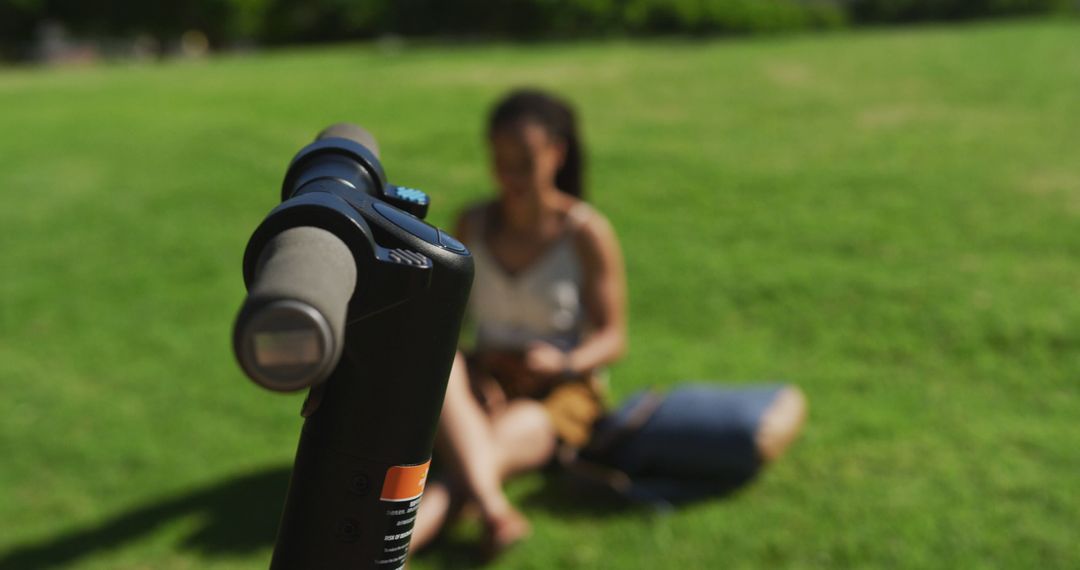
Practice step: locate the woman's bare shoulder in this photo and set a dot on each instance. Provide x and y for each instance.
(591, 223)
(595, 235)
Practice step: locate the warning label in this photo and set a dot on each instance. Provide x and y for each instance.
(401, 492)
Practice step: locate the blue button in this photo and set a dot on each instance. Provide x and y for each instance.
(411, 195)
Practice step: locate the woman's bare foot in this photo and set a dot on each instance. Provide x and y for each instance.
(781, 423)
(504, 529)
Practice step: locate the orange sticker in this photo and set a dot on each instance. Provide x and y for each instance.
(405, 482)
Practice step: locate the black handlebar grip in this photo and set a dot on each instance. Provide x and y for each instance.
(351, 132)
(291, 329)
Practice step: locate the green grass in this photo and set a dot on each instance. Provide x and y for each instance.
(891, 219)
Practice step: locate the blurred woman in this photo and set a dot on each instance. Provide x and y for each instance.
(549, 306)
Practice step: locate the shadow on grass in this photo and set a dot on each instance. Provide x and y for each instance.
(565, 497)
(240, 517)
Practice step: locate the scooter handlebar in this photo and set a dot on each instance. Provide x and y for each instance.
(291, 328)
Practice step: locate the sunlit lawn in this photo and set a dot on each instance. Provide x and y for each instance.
(891, 219)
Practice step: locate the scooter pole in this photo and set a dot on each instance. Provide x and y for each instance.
(353, 295)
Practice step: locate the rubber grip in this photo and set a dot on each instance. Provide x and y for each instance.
(303, 281)
(353, 133)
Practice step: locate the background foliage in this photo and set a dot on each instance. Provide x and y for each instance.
(277, 21)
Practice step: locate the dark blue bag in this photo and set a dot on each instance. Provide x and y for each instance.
(694, 442)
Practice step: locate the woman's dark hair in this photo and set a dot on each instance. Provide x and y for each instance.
(558, 118)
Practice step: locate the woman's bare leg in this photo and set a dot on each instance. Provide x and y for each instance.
(524, 439)
(781, 423)
(467, 440)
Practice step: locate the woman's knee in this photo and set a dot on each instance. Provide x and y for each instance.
(781, 423)
(457, 385)
(460, 367)
(525, 430)
(530, 420)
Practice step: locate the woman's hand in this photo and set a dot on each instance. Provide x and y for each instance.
(544, 360)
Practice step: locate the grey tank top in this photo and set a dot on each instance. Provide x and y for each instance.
(540, 302)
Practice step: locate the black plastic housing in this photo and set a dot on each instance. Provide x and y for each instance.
(380, 406)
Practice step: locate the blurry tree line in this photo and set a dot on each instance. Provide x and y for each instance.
(226, 22)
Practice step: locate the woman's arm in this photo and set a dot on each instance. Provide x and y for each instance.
(604, 296)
